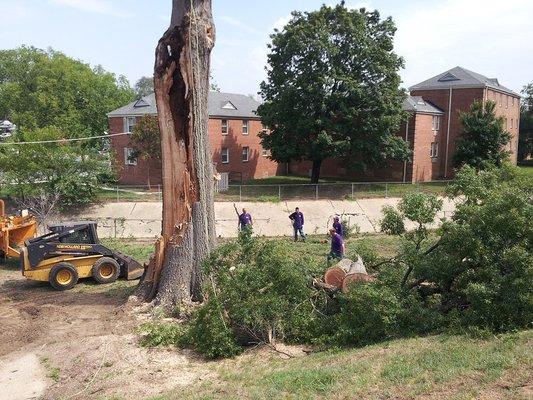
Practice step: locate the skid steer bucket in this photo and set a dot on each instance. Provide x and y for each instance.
(131, 269)
(14, 230)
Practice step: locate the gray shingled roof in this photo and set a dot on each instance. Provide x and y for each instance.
(461, 78)
(419, 105)
(220, 105)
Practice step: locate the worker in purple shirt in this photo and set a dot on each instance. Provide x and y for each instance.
(297, 219)
(337, 246)
(245, 220)
(337, 225)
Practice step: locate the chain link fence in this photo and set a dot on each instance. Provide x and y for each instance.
(282, 192)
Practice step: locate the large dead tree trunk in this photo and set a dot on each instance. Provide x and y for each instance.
(181, 82)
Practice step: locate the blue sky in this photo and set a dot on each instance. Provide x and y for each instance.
(489, 37)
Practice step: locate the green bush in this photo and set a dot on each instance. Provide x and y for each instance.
(368, 313)
(209, 333)
(156, 334)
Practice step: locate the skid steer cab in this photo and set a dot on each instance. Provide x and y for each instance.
(72, 251)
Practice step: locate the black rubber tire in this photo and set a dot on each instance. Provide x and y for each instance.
(99, 277)
(56, 270)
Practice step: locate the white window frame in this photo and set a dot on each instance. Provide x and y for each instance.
(434, 150)
(225, 127)
(128, 159)
(128, 126)
(435, 123)
(265, 153)
(224, 153)
(245, 127)
(245, 154)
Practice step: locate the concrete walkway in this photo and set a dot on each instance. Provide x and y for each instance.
(143, 220)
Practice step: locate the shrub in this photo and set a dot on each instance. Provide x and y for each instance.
(209, 332)
(349, 230)
(368, 313)
(161, 334)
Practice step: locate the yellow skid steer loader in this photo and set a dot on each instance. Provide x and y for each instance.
(73, 251)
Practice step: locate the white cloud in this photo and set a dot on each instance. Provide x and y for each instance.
(96, 6)
(281, 22)
(486, 36)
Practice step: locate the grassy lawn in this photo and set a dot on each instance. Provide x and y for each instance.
(438, 367)
(315, 245)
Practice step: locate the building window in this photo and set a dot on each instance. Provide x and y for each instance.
(245, 154)
(512, 101)
(130, 156)
(265, 153)
(434, 152)
(224, 126)
(225, 155)
(506, 101)
(129, 124)
(435, 124)
(501, 95)
(244, 127)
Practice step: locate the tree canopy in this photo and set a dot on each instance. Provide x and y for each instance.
(333, 90)
(44, 88)
(525, 143)
(483, 138)
(144, 86)
(64, 170)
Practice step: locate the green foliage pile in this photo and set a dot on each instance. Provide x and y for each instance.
(473, 274)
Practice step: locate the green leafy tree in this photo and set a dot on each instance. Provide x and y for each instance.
(44, 88)
(61, 170)
(483, 138)
(146, 140)
(144, 86)
(333, 90)
(525, 139)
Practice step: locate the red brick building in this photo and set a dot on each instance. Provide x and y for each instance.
(434, 126)
(431, 131)
(233, 131)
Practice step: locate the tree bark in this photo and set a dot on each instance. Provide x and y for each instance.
(181, 83)
(315, 171)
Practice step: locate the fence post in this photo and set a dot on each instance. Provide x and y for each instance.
(316, 192)
(279, 192)
(352, 191)
(159, 194)
(386, 190)
(240, 193)
(118, 199)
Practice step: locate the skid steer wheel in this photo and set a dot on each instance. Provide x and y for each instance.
(63, 276)
(106, 270)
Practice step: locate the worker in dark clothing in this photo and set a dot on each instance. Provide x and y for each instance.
(297, 219)
(337, 246)
(245, 220)
(337, 225)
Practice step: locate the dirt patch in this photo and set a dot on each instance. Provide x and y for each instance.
(84, 342)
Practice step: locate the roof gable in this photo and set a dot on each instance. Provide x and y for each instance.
(461, 78)
(222, 105)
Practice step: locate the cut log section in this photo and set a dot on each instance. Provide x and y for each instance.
(351, 279)
(335, 276)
